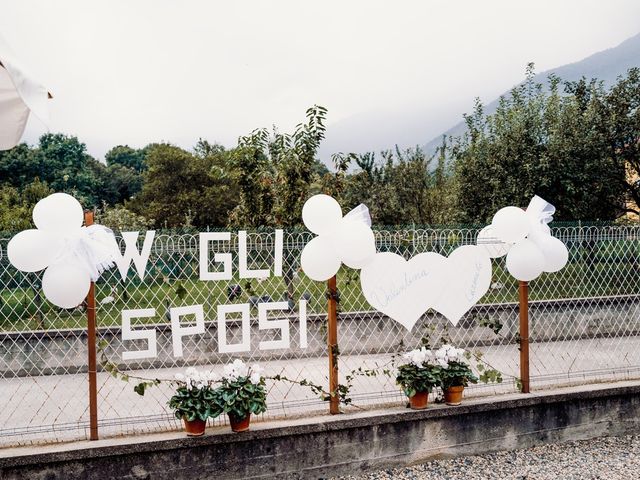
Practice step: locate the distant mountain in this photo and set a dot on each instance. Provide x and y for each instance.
(606, 66)
(378, 129)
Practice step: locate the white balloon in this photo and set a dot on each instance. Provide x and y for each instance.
(494, 247)
(59, 213)
(510, 224)
(319, 259)
(321, 214)
(525, 260)
(66, 284)
(363, 261)
(555, 252)
(33, 250)
(354, 242)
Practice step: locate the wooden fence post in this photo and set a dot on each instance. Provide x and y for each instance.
(332, 342)
(91, 348)
(523, 295)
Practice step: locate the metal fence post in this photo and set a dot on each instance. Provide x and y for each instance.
(91, 349)
(332, 341)
(523, 294)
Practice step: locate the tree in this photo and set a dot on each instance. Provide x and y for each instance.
(16, 206)
(66, 167)
(255, 181)
(185, 189)
(403, 188)
(335, 184)
(275, 177)
(62, 162)
(122, 219)
(622, 105)
(19, 166)
(275, 172)
(127, 157)
(550, 144)
(118, 184)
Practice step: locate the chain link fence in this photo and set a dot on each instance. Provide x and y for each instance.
(584, 327)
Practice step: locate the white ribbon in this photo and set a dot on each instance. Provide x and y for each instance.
(540, 213)
(360, 214)
(94, 247)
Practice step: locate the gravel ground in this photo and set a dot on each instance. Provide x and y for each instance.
(608, 458)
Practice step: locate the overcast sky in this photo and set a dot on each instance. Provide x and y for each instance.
(140, 71)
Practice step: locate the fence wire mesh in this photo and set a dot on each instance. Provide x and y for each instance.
(584, 327)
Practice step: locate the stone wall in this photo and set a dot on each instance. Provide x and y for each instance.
(322, 447)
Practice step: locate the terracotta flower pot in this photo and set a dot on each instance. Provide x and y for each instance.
(419, 400)
(194, 428)
(239, 424)
(453, 395)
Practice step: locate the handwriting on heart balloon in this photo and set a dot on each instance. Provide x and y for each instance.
(467, 277)
(405, 290)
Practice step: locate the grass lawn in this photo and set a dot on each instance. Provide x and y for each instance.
(21, 309)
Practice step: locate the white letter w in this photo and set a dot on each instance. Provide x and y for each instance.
(131, 252)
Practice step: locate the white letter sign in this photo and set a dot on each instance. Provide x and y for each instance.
(242, 260)
(131, 252)
(245, 344)
(148, 335)
(265, 324)
(224, 258)
(178, 331)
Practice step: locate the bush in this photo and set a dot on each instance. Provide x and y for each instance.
(421, 374)
(242, 391)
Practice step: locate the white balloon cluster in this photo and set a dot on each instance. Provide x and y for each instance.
(525, 237)
(347, 239)
(402, 289)
(72, 255)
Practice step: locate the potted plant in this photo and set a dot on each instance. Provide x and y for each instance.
(455, 373)
(241, 392)
(418, 376)
(193, 401)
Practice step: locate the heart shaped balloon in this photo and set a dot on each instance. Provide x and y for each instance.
(467, 277)
(403, 290)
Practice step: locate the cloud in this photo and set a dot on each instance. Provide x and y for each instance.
(144, 71)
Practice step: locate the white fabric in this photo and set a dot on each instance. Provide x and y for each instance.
(13, 113)
(19, 94)
(94, 247)
(540, 213)
(360, 214)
